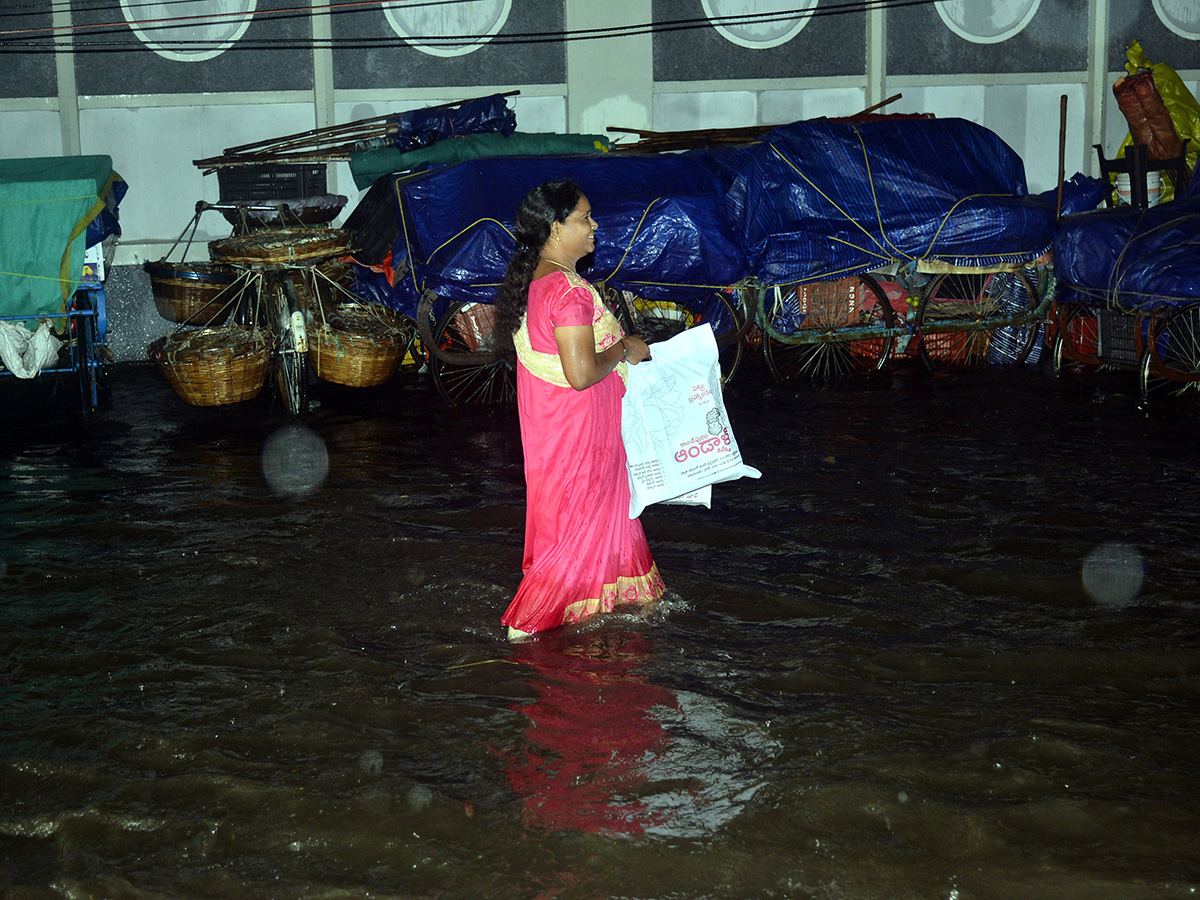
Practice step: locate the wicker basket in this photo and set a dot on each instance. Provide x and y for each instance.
(214, 366)
(196, 293)
(360, 345)
(281, 246)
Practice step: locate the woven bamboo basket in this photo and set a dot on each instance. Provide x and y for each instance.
(281, 246)
(360, 345)
(196, 293)
(214, 366)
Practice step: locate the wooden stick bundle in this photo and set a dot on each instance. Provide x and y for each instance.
(333, 143)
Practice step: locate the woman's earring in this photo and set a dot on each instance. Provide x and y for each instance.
(557, 240)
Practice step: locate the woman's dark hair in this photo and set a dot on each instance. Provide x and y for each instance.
(542, 207)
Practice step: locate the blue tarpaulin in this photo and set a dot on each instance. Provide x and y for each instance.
(421, 127)
(820, 199)
(663, 232)
(1139, 259)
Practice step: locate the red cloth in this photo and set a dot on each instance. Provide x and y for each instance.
(583, 554)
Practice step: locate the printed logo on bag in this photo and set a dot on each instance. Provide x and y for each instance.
(720, 443)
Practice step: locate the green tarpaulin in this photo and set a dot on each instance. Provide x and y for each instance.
(46, 204)
(369, 165)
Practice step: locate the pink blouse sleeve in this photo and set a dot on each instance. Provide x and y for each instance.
(573, 306)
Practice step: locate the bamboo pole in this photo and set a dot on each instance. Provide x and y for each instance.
(1062, 153)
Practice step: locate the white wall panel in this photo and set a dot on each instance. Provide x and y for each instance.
(705, 109)
(154, 147)
(27, 134)
(540, 115)
(1040, 150)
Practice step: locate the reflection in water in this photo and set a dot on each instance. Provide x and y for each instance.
(593, 732)
(946, 646)
(608, 751)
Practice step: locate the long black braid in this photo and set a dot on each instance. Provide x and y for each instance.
(542, 207)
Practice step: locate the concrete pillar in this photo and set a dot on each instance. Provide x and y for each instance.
(876, 91)
(610, 80)
(1097, 81)
(64, 70)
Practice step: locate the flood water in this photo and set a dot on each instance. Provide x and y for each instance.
(947, 647)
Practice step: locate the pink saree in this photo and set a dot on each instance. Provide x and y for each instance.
(583, 554)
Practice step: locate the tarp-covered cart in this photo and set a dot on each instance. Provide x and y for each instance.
(664, 249)
(1130, 291)
(52, 318)
(908, 235)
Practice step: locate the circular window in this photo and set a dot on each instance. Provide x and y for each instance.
(189, 30)
(448, 29)
(758, 24)
(1181, 16)
(986, 21)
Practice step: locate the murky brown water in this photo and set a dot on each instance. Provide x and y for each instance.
(877, 673)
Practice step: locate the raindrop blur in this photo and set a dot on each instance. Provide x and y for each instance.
(371, 762)
(1113, 573)
(419, 797)
(294, 460)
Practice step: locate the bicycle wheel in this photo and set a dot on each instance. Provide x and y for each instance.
(291, 349)
(1076, 338)
(85, 353)
(658, 320)
(825, 322)
(467, 328)
(955, 313)
(1170, 363)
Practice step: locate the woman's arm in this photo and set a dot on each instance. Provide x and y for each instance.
(583, 366)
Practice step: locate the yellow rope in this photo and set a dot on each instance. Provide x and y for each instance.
(878, 241)
(946, 219)
(50, 200)
(883, 238)
(451, 239)
(699, 287)
(412, 270)
(641, 222)
(36, 277)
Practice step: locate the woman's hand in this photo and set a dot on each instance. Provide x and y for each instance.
(583, 366)
(636, 349)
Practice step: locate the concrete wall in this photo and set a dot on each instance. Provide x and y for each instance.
(1001, 63)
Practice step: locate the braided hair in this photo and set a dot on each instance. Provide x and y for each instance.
(542, 207)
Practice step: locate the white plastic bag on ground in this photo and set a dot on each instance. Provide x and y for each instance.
(677, 436)
(26, 353)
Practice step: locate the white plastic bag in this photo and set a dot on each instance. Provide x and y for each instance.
(677, 436)
(25, 353)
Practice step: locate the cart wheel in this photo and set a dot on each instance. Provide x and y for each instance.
(658, 320)
(815, 315)
(1170, 363)
(291, 378)
(416, 358)
(468, 328)
(85, 354)
(291, 351)
(727, 316)
(1076, 339)
(953, 315)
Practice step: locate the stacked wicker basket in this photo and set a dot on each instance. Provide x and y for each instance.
(359, 344)
(206, 361)
(214, 366)
(210, 360)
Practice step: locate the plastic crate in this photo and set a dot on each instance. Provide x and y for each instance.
(272, 182)
(1115, 339)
